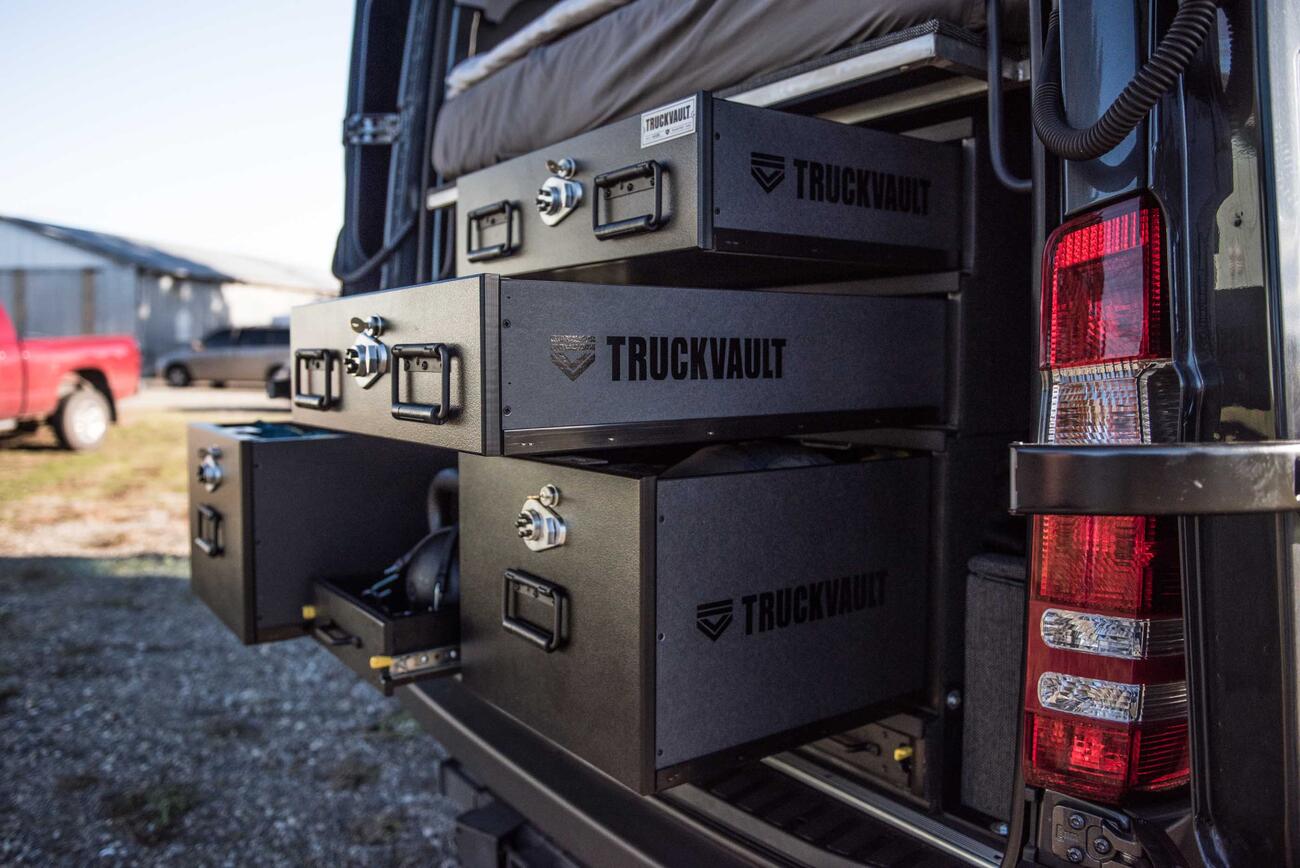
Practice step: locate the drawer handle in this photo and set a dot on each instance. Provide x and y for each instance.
(207, 531)
(431, 414)
(474, 230)
(544, 592)
(311, 400)
(333, 636)
(630, 225)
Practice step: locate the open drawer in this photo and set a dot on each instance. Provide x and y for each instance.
(388, 642)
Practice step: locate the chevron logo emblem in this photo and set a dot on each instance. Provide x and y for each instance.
(768, 170)
(713, 618)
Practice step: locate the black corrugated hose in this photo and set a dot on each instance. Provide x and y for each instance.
(1187, 31)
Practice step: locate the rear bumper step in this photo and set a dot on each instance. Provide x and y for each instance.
(785, 810)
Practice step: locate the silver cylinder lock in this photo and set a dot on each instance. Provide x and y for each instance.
(209, 472)
(538, 524)
(367, 358)
(559, 194)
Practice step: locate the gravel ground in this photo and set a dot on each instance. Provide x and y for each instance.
(134, 730)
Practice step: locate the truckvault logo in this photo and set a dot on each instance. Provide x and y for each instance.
(796, 604)
(713, 618)
(860, 187)
(573, 354)
(663, 357)
(768, 170)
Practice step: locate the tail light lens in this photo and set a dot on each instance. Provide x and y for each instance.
(1105, 690)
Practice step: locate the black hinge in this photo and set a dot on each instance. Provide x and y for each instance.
(372, 129)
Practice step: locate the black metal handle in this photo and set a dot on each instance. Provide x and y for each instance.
(334, 636)
(630, 225)
(491, 251)
(407, 411)
(542, 591)
(310, 400)
(207, 531)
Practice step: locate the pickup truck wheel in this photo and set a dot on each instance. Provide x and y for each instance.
(82, 419)
(177, 375)
(277, 382)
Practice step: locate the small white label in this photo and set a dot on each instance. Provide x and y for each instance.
(670, 122)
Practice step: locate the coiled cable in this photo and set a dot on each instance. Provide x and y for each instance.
(1171, 58)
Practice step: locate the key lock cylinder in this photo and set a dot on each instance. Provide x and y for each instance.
(538, 524)
(367, 358)
(209, 472)
(559, 194)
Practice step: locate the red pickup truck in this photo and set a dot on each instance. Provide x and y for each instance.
(73, 383)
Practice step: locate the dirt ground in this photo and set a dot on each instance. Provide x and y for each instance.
(134, 729)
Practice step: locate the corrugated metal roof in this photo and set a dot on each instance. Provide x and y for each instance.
(184, 262)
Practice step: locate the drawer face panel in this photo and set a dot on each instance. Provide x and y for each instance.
(747, 196)
(702, 615)
(452, 313)
(587, 696)
(823, 573)
(662, 355)
(547, 366)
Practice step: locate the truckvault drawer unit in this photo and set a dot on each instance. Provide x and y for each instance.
(707, 191)
(658, 627)
(494, 365)
(275, 507)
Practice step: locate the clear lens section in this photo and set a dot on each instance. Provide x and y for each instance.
(1111, 636)
(1095, 634)
(1096, 411)
(1090, 697)
(1120, 403)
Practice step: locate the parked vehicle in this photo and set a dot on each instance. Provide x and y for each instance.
(227, 355)
(991, 564)
(73, 384)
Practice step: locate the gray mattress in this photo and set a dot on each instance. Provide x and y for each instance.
(651, 52)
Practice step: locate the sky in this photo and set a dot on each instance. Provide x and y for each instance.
(212, 124)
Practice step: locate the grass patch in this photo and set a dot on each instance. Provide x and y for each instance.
(380, 828)
(353, 774)
(230, 727)
(398, 726)
(152, 814)
(147, 453)
(75, 783)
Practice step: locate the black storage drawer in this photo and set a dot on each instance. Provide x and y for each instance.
(274, 507)
(387, 645)
(490, 365)
(706, 191)
(659, 625)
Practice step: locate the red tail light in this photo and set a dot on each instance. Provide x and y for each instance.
(1104, 301)
(1105, 690)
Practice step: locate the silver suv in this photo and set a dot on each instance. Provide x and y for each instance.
(260, 354)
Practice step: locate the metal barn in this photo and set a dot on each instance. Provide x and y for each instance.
(56, 280)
